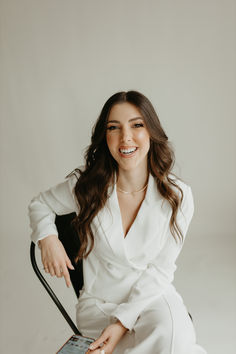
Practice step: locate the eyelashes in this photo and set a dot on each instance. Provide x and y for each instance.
(114, 127)
(138, 125)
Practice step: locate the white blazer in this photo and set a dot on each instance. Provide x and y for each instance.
(124, 275)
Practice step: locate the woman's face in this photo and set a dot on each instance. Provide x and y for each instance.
(127, 136)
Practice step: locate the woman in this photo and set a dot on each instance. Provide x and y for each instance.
(132, 216)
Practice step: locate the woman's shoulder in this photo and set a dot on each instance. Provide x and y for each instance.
(185, 187)
(187, 205)
(187, 200)
(76, 172)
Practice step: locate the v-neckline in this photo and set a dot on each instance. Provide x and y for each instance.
(124, 237)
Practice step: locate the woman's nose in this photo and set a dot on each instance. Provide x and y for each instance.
(126, 135)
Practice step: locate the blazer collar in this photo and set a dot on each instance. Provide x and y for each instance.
(142, 230)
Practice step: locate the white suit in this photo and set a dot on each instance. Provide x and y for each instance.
(128, 278)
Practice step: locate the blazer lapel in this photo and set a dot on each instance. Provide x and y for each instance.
(146, 230)
(109, 221)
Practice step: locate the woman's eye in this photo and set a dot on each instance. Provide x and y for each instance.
(112, 127)
(138, 125)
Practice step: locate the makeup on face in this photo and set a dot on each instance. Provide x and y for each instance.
(127, 137)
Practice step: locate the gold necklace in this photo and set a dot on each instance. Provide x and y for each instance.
(140, 190)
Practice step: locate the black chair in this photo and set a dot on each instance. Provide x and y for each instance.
(71, 244)
(70, 241)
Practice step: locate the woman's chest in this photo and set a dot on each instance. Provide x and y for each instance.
(129, 206)
(144, 239)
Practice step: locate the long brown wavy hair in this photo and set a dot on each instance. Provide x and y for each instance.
(91, 189)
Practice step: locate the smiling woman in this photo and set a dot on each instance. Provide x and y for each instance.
(132, 216)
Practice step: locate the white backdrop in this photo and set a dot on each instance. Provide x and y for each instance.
(60, 61)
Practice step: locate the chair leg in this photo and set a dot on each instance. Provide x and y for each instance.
(50, 291)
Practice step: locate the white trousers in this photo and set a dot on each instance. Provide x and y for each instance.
(163, 328)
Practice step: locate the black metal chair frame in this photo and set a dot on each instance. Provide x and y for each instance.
(70, 242)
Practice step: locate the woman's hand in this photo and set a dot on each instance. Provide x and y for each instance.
(54, 258)
(108, 340)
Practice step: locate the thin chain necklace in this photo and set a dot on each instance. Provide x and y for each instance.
(140, 190)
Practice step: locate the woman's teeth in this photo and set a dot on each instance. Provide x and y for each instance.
(127, 151)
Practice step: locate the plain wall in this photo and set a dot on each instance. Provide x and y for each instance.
(60, 61)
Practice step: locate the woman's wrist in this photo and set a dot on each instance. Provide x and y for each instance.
(121, 326)
(47, 238)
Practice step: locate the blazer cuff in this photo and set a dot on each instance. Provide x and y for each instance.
(49, 230)
(126, 315)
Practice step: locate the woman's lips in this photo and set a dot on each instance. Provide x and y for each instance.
(127, 152)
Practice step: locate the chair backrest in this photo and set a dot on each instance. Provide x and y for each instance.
(70, 241)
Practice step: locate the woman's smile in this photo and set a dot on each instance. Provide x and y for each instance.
(127, 151)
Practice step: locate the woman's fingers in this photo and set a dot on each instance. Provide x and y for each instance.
(66, 275)
(60, 271)
(55, 259)
(99, 351)
(108, 339)
(46, 268)
(69, 264)
(102, 349)
(98, 342)
(51, 270)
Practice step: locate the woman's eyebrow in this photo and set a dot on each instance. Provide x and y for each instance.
(130, 120)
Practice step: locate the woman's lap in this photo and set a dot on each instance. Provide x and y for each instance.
(163, 328)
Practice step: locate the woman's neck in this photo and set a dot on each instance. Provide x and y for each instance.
(132, 180)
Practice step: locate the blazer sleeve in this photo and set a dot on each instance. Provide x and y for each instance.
(43, 208)
(159, 273)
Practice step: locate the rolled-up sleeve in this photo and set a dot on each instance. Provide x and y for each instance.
(159, 273)
(43, 208)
